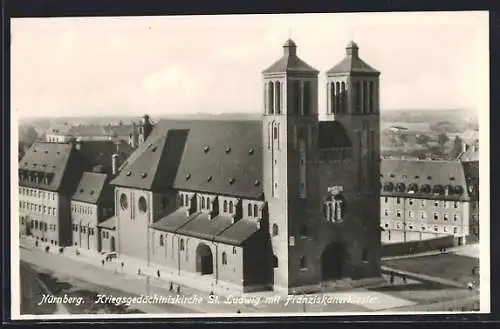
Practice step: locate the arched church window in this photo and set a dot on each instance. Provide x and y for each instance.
(143, 206)
(307, 98)
(181, 245)
(296, 97)
(231, 206)
(275, 132)
(371, 96)
(249, 209)
(275, 229)
(224, 258)
(277, 109)
(337, 97)
(331, 91)
(225, 205)
(255, 210)
(357, 96)
(365, 97)
(123, 201)
(343, 98)
(161, 240)
(270, 95)
(202, 202)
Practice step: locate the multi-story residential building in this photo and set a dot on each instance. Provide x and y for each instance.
(286, 202)
(422, 199)
(91, 204)
(49, 174)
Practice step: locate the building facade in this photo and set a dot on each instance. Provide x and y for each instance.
(423, 199)
(276, 203)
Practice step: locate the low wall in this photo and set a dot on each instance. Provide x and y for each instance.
(413, 247)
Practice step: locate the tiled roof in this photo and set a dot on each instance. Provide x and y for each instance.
(290, 62)
(219, 228)
(47, 158)
(155, 164)
(332, 134)
(352, 63)
(109, 223)
(425, 174)
(239, 232)
(173, 221)
(203, 227)
(90, 188)
(87, 130)
(216, 156)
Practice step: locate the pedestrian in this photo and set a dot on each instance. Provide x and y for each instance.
(238, 311)
(139, 271)
(178, 289)
(102, 261)
(158, 273)
(122, 265)
(211, 292)
(171, 286)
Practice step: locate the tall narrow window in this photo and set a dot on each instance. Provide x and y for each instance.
(371, 97)
(296, 96)
(161, 240)
(250, 209)
(357, 96)
(277, 86)
(255, 210)
(337, 97)
(343, 98)
(307, 98)
(181, 246)
(365, 97)
(332, 98)
(231, 207)
(202, 202)
(224, 258)
(225, 205)
(270, 95)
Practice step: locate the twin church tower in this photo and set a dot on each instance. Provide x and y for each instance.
(322, 177)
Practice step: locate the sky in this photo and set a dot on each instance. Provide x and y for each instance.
(213, 64)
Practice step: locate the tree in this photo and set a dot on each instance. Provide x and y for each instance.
(423, 139)
(442, 139)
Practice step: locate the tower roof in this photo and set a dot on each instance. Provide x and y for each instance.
(290, 62)
(352, 63)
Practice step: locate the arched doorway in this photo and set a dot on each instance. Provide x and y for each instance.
(204, 259)
(332, 261)
(112, 245)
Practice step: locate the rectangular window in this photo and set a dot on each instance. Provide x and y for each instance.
(411, 213)
(410, 201)
(445, 217)
(398, 200)
(386, 199)
(455, 218)
(398, 213)
(386, 212)
(455, 230)
(436, 203)
(436, 216)
(445, 203)
(455, 204)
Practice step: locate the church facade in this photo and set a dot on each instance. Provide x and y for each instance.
(287, 202)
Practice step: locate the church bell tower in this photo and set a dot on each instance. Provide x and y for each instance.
(290, 129)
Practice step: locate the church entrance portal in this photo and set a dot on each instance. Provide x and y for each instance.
(204, 259)
(332, 262)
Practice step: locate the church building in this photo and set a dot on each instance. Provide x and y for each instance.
(286, 202)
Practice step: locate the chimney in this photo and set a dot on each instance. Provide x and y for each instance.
(114, 164)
